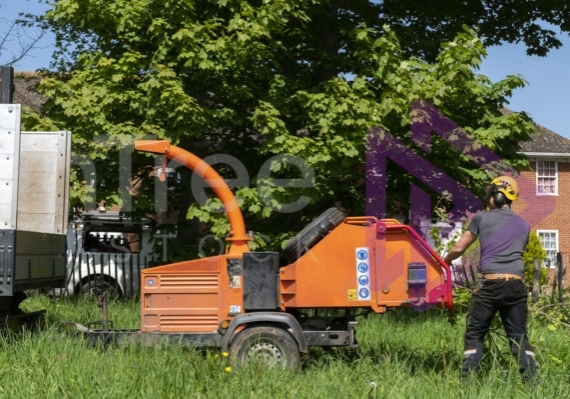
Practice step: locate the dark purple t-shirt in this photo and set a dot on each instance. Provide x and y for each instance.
(503, 236)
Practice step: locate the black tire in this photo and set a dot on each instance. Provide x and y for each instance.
(312, 234)
(99, 286)
(271, 346)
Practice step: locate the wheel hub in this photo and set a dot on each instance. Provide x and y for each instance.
(266, 353)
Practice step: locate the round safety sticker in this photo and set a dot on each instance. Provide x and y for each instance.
(362, 254)
(363, 267)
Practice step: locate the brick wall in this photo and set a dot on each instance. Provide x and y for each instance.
(547, 212)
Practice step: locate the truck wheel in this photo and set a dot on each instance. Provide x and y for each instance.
(94, 287)
(312, 234)
(271, 346)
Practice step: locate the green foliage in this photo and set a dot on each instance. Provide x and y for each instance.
(425, 25)
(534, 253)
(255, 80)
(553, 313)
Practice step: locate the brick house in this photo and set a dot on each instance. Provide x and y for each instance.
(545, 195)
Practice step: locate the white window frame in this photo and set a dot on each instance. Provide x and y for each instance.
(551, 247)
(540, 176)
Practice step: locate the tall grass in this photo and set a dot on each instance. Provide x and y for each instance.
(400, 355)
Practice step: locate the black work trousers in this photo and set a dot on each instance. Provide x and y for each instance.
(509, 298)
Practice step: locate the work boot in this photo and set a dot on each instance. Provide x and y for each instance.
(528, 369)
(471, 364)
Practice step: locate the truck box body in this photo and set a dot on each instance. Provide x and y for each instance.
(34, 191)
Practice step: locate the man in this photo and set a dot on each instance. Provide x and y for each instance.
(503, 237)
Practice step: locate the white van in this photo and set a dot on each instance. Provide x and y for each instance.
(106, 252)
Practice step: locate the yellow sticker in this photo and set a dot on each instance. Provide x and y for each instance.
(351, 294)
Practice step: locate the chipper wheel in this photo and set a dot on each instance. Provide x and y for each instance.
(271, 346)
(312, 234)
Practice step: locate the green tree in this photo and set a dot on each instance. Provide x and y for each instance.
(301, 80)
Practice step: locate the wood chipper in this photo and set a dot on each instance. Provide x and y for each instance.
(252, 306)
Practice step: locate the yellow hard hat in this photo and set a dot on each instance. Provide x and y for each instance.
(508, 186)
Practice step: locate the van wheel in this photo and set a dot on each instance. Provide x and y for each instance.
(99, 286)
(312, 234)
(270, 346)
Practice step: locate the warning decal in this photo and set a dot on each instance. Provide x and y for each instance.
(363, 273)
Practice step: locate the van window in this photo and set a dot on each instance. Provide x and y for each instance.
(112, 241)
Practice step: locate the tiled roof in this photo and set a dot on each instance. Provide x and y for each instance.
(546, 141)
(24, 92)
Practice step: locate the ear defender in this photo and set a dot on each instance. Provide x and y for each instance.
(499, 199)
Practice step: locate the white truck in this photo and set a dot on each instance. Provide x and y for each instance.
(106, 252)
(34, 193)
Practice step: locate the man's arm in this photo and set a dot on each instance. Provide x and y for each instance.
(467, 238)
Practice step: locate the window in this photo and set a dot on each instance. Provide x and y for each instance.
(546, 177)
(112, 241)
(549, 241)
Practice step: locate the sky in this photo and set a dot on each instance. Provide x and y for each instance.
(544, 98)
(41, 56)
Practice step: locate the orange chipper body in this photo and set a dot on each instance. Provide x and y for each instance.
(336, 262)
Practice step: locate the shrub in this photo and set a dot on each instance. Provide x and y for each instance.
(534, 251)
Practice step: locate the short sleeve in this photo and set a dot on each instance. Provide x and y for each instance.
(475, 224)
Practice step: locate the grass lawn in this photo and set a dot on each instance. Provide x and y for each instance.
(401, 354)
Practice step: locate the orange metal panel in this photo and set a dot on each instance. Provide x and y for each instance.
(364, 263)
(326, 275)
(397, 248)
(192, 296)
